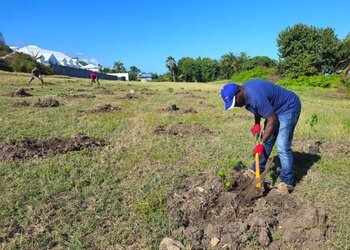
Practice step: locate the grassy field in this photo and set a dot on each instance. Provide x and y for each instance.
(115, 196)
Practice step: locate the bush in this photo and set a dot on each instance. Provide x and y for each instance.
(5, 50)
(323, 81)
(258, 72)
(20, 62)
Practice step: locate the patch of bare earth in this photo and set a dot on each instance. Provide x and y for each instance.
(19, 93)
(182, 129)
(83, 96)
(180, 110)
(47, 102)
(212, 217)
(130, 96)
(323, 147)
(33, 148)
(104, 108)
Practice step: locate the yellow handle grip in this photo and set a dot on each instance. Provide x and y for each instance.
(257, 163)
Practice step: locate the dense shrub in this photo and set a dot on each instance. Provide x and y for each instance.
(5, 50)
(20, 62)
(324, 81)
(258, 72)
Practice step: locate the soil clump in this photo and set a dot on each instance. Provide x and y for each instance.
(213, 216)
(47, 102)
(33, 148)
(104, 108)
(83, 96)
(21, 92)
(180, 110)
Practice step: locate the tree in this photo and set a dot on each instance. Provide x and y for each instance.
(307, 50)
(187, 69)
(228, 65)
(83, 63)
(171, 65)
(209, 69)
(344, 57)
(119, 67)
(133, 71)
(260, 61)
(242, 60)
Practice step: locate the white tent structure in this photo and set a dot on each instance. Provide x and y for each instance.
(50, 56)
(47, 58)
(92, 67)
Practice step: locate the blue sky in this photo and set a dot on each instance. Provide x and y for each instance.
(145, 33)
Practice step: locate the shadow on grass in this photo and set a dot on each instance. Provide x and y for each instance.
(302, 163)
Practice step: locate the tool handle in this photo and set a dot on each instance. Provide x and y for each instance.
(257, 164)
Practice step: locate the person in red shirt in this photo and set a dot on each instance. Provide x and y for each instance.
(94, 78)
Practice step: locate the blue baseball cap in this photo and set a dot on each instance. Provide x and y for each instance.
(228, 93)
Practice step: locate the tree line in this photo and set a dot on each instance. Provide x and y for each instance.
(302, 50)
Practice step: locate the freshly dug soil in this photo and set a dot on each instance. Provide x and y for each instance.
(83, 96)
(34, 148)
(19, 93)
(182, 129)
(47, 102)
(181, 111)
(211, 216)
(104, 108)
(130, 96)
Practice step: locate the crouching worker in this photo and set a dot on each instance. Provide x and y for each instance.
(281, 109)
(36, 73)
(94, 78)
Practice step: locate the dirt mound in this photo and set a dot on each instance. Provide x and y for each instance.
(19, 93)
(182, 129)
(104, 108)
(146, 91)
(180, 110)
(22, 104)
(83, 96)
(130, 96)
(33, 148)
(211, 216)
(47, 102)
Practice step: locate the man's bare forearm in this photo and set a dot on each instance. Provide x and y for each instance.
(270, 127)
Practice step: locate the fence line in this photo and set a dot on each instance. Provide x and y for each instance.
(81, 73)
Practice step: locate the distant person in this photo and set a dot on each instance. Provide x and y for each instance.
(94, 78)
(36, 73)
(281, 109)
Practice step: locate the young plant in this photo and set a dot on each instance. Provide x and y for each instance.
(222, 175)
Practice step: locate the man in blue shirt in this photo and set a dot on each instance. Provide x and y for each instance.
(281, 110)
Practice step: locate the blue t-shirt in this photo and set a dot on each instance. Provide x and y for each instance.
(263, 97)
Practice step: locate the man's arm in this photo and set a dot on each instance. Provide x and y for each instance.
(271, 124)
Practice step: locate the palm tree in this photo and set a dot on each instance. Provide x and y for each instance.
(229, 65)
(119, 67)
(171, 65)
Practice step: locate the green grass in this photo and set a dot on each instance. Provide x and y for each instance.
(115, 197)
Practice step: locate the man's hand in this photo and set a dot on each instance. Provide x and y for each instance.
(259, 149)
(256, 129)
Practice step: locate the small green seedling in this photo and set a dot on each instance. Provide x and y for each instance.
(313, 120)
(170, 90)
(222, 175)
